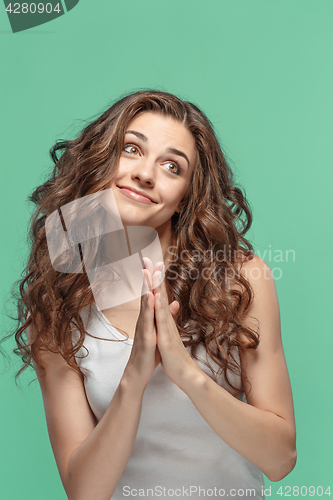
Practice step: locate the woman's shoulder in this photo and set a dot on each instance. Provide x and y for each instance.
(259, 277)
(264, 307)
(252, 266)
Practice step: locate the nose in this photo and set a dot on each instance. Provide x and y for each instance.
(144, 172)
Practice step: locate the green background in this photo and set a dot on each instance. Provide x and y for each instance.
(262, 72)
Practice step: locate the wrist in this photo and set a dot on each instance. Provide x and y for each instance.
(192, 379)
(130, 383)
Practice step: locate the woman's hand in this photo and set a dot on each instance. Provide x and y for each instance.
(176, 362)
(144, 356)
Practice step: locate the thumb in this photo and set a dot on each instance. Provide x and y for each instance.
(173, 308)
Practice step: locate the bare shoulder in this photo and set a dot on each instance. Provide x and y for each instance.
(263, 313)
(255, 269)
(265, 305)
(259, 276)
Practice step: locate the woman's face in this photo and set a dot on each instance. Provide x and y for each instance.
(157, 159)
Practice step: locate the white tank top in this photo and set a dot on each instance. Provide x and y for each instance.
(176, 453)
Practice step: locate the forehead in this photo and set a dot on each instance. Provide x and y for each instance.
(164, 131)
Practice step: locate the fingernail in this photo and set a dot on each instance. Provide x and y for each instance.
(147, 295)
(159, 297)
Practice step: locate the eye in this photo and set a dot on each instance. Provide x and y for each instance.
(132, 147)
(177, 167)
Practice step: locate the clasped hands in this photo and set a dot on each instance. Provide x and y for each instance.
(176, 362)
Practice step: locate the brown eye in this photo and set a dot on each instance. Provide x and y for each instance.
(131, 148)
(176, 166)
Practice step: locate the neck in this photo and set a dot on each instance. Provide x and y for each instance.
(167, 240)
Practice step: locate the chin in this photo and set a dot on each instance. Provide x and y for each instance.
(132, 220)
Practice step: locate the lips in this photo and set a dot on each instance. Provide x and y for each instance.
(135, 194)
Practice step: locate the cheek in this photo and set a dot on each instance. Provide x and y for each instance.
(172, 203)
(120, 169)
(171, 195)
(181, 192)
(124, 165)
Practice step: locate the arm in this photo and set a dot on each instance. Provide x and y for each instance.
(262, 431)
(90, 458)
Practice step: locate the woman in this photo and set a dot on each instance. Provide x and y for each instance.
(183, 390)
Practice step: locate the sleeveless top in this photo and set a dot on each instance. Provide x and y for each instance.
(176, 452)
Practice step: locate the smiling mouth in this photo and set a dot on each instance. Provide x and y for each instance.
(135, 196)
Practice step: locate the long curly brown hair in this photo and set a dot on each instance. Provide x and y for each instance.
(214, 217)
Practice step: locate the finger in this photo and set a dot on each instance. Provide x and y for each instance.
(144, 289)
(159, 266)
(157, 281)
(159, 287)
(149, 270)
(160, 315)
(149, 315)
(148, 264)
(148, 279)
(174, 307)
(143, 301)
(147, 304)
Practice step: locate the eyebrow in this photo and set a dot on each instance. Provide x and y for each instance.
(144, 138)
